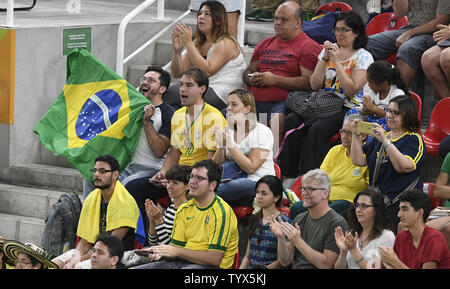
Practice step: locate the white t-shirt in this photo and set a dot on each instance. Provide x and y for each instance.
(260, 137)
(383, 103)
(369, 252)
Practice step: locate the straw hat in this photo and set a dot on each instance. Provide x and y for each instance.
(5, 258)
(12, 250)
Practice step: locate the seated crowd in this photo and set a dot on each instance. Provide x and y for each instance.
(208, 143)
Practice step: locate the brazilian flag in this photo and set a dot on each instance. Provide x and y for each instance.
(97, 113)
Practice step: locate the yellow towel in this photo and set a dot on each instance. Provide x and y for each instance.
(122, 212)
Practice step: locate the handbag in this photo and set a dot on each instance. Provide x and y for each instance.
(314, 105)
(231, 171)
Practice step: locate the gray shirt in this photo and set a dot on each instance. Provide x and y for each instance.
(319, 234)
(423, 11)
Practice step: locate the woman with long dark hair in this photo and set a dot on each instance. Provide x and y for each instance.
(262, 248)
(369, 228)
(213, 49)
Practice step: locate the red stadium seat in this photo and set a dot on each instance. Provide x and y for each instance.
(333, 7)
(435, 202)
(277, 170)
(418, 102)
(384, 22)
(438, 128)
(296, 186)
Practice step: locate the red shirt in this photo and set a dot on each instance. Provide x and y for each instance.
(432, 247)
(283, 58)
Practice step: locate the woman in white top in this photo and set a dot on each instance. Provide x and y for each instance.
(213, 50)
(369, 229)
(246, 142)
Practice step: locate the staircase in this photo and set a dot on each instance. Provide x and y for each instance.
(27, 194)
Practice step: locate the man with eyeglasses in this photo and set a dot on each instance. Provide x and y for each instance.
(311, 241)
(205, 234)
(192, 136)
(154, 136)
(109, 209)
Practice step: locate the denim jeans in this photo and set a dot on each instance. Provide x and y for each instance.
(238, 192)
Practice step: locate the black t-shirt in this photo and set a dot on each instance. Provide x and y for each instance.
(127, 241)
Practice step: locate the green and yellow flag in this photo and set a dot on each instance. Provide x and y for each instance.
(97, 113)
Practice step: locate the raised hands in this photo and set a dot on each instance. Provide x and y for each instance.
(279, 228)
(154, 212)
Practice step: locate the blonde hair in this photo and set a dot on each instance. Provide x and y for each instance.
(247, 99)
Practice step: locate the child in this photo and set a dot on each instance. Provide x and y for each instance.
(383, 84)
(262, 249)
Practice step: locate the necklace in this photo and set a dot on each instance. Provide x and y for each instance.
(361, 242)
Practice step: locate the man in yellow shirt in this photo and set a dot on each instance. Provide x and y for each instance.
(205, 234)
(192, 134)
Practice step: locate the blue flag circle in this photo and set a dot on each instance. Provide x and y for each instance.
(98, 113)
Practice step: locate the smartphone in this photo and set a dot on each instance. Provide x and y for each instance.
(365, 127)
(141, 253)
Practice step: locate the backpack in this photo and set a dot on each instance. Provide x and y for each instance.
(61, 224)
(321, 27)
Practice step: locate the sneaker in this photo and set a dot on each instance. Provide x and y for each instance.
(252, 15)
(265, 16)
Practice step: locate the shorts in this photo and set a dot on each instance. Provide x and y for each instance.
(381, 45)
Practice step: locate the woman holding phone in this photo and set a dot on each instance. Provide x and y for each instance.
(401, 153)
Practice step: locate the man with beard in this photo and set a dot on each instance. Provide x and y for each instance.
(154, 137)
(109, 209)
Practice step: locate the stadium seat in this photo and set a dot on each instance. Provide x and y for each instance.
(418, 102)
(435, 202)
(438, 128)
(384, 22)
(333, 7)
(164, 201)
(277, 170)
(296, 186)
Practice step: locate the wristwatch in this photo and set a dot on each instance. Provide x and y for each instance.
(387, 144)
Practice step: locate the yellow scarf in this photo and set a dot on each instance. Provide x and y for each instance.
(122, 212)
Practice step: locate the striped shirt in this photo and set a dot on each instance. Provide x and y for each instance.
(164, 230)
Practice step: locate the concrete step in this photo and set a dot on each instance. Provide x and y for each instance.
(27, 201)
(23, 229)
(45, 176)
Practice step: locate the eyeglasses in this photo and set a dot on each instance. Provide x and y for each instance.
(341, 29)
(392, 112)
(197, 178)
(148, 80)
(309, 190)
(362, 206)
(345, 131)
(101, 171)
